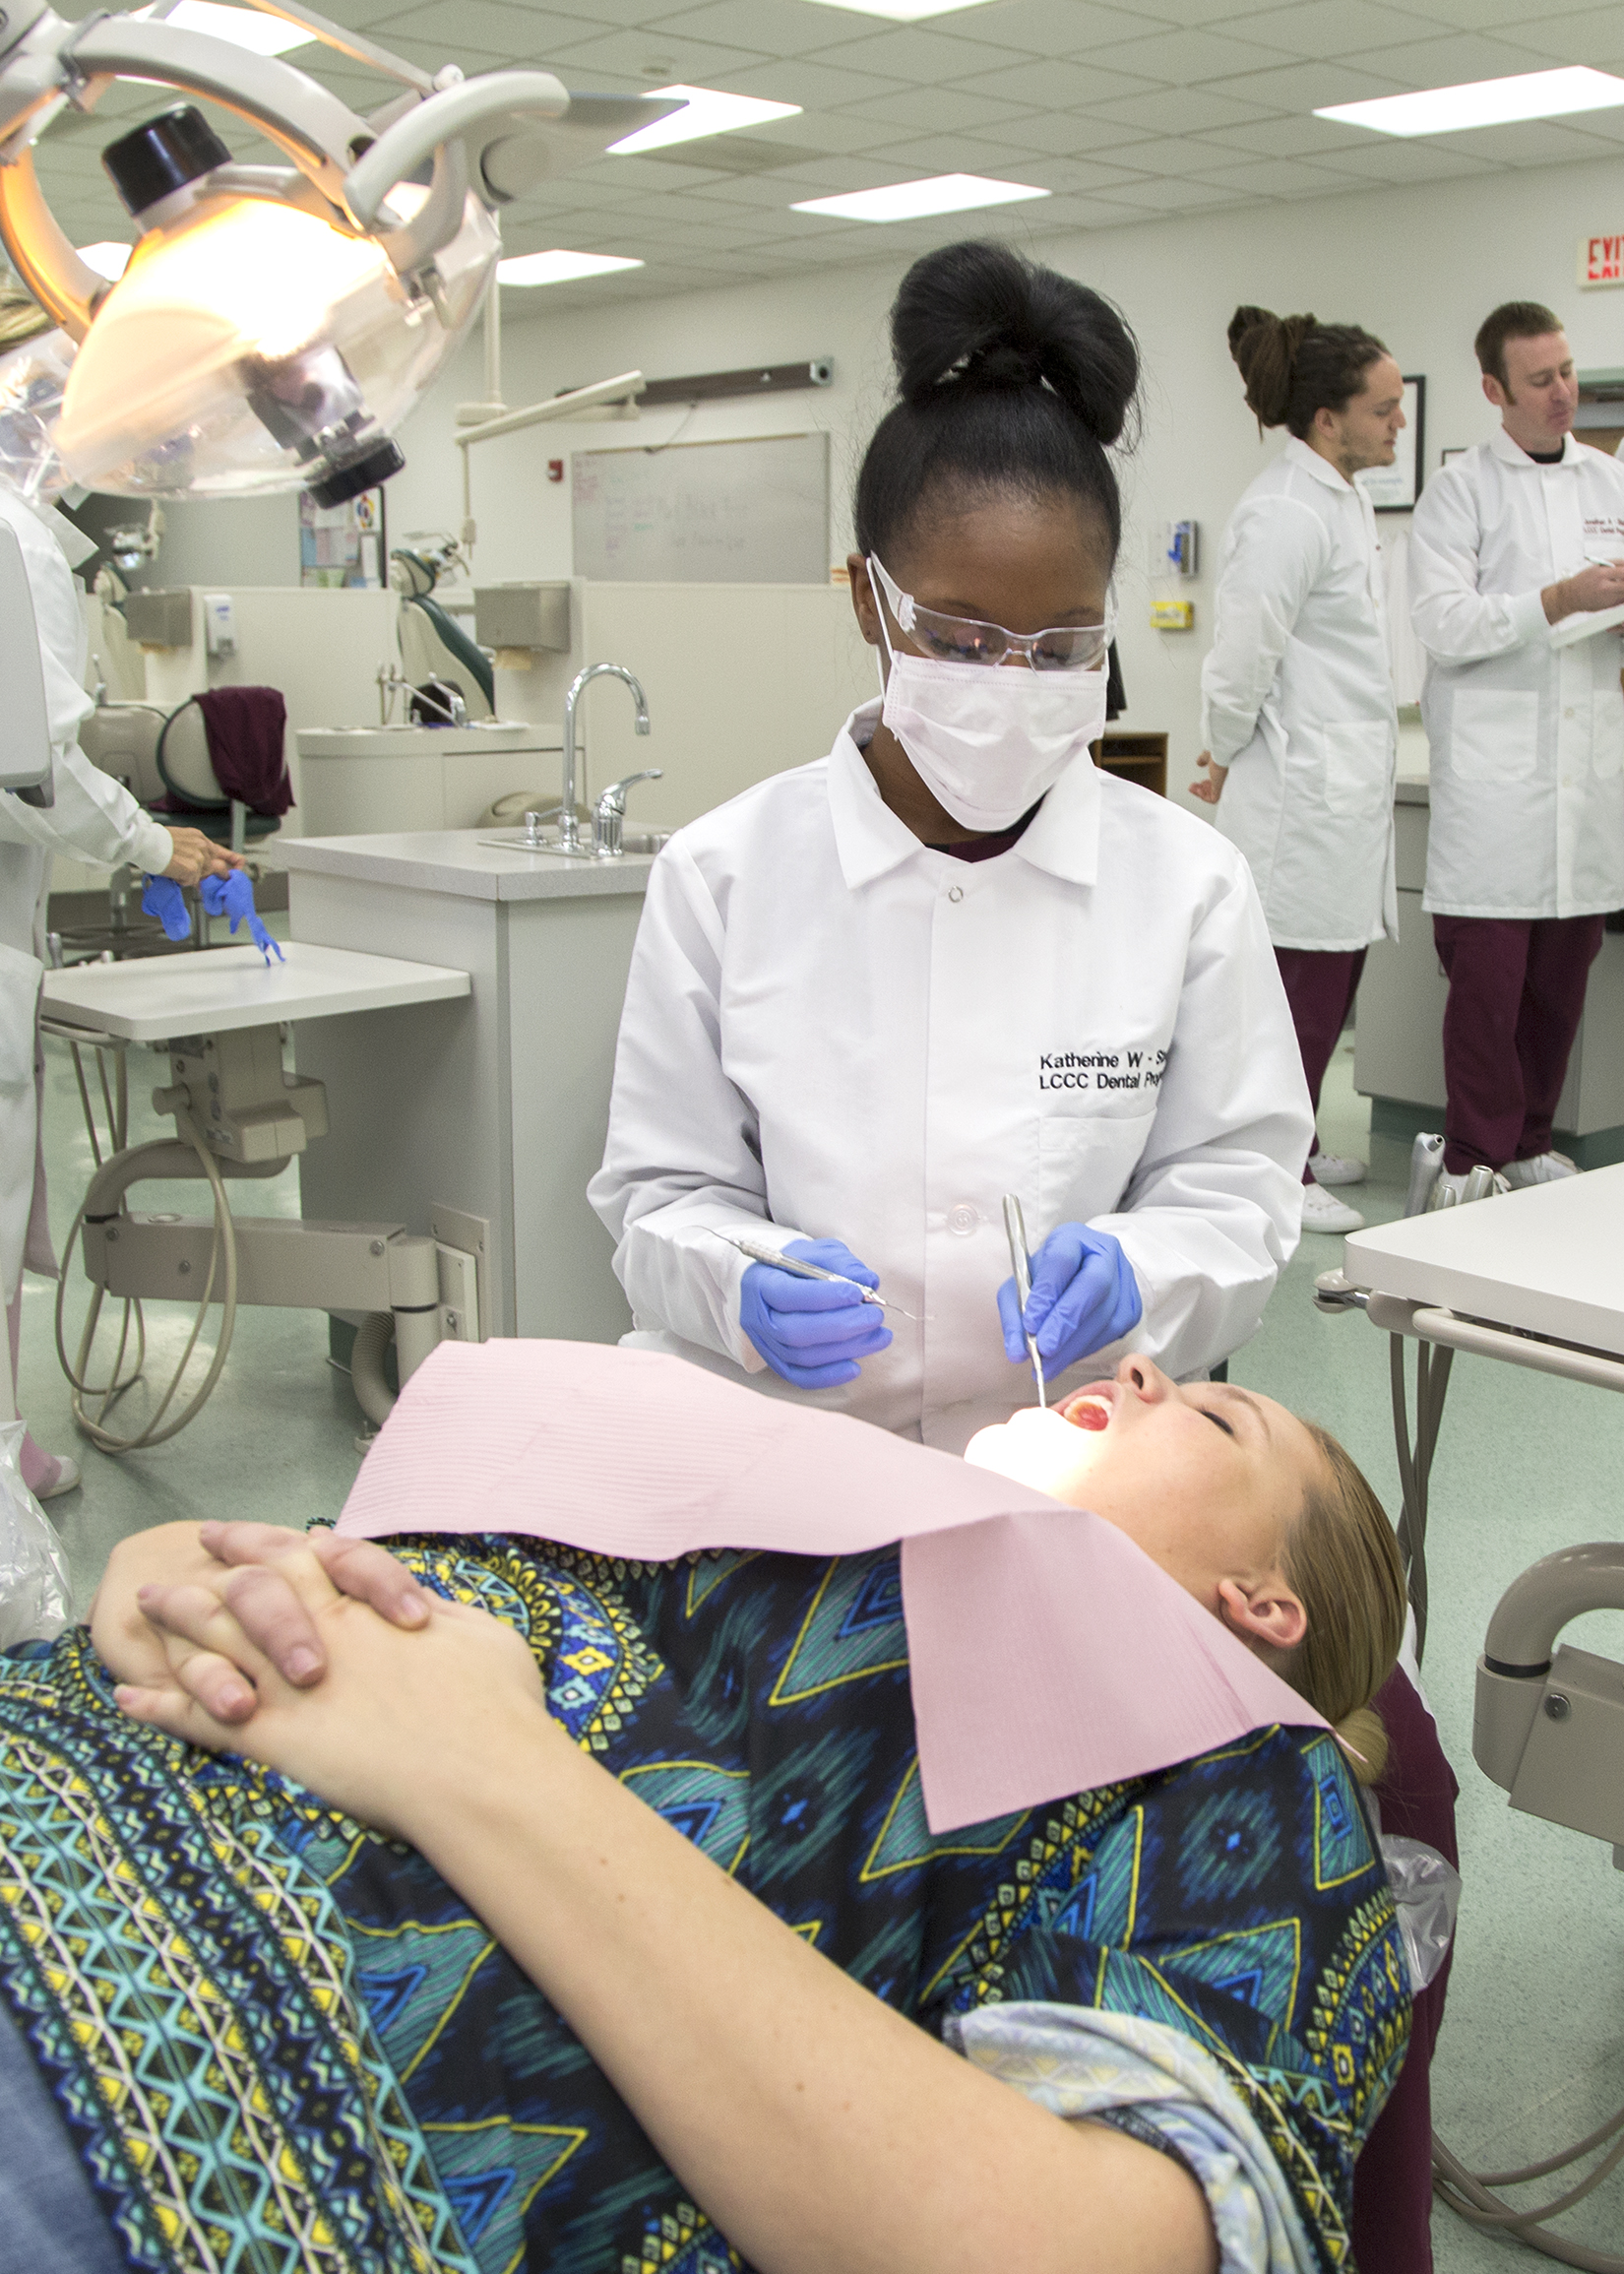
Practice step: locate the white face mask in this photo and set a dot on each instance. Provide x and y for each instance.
(990, 740)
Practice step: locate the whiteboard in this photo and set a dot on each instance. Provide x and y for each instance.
(751, 512)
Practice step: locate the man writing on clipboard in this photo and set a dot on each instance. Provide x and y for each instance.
(1517, 556)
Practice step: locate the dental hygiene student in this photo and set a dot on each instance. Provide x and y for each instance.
(952, 959)
(1301, 725)
(92, 818)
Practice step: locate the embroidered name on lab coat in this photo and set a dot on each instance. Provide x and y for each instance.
(1101, 1069)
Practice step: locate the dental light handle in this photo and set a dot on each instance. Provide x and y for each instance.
(1015, 1226)
(1535, 1608)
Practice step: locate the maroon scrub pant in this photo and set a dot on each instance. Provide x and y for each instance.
(1320, 988)
(1393, 2177)
(1515, 997)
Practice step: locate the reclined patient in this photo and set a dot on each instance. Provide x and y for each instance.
(593, 1920)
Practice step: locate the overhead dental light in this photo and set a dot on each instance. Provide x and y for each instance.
(274, 324)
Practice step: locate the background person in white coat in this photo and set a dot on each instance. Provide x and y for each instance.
(1297, 690)
(1525, 851)
(94, 819)
(952, 959)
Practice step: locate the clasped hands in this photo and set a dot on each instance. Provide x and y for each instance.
(321, 1656)
(814, 1332)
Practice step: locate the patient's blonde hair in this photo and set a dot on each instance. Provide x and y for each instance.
(1342, 1559)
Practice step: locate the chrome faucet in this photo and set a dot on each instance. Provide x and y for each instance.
(569, 824)
(609, 813)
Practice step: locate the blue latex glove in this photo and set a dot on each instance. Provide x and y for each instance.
(811, 1331)
(1084, 1295)
(233, 896)
(162, 897)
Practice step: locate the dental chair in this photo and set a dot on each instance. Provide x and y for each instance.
(1548, 1727)
(187, 772)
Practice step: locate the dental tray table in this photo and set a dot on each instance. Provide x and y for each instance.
(221, 990)
(1536, 1278)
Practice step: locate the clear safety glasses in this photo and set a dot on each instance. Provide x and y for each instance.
(963, 640)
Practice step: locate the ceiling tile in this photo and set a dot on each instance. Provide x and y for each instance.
(1453, 60)
(1169, 197)
(650, 58)
(1183, 57)
(1506, 15)
(1306, 137)
(1583, 37)
(490, 25)
(1303, 87)
(1055, 27)
(1534, 142)
(1089, 212)
(1181, 110)
(1277, 177)
(935, 109)
(934, 154)
(775, 26)
(1389, 161)
(1080, 177)
(814, 85)
(1063, 87)
(1183, 154)
(1063, 133)
(922, 54)
(1320, 28)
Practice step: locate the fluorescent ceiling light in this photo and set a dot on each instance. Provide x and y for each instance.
(243, 27)
(107, 260)
(907, 201)
(1485, 102)
(559, 268)
(902, 10)
(704, 113)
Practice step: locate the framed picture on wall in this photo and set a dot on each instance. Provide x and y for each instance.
(1394, 488)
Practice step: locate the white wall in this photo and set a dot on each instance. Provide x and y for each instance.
(1420, 266)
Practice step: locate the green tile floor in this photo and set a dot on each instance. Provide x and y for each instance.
(1533, 2052)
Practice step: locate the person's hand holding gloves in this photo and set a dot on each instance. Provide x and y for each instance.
(813, 1331)
(1084, 1295)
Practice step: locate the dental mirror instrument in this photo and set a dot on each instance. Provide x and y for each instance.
(759, 1252)
(1014, 1223)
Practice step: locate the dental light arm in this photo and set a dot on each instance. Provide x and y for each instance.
(275, 324)
(1548, 1723)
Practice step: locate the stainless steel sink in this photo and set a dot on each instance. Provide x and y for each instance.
(645, 840)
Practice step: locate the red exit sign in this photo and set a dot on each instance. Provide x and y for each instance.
(1600, 261)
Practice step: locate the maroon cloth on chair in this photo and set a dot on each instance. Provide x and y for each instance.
(1393, 2177)
(1515, 997)
(1320, 987)
(247, 728)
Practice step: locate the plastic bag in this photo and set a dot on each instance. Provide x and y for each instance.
(34, 1597)
(33, 378)
(1427, 1893)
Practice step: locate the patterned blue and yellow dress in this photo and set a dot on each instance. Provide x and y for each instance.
(280, 2042)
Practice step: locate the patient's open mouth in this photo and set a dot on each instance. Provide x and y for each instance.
(1091, 1408)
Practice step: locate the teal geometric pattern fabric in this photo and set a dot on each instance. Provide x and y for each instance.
(282, 2042)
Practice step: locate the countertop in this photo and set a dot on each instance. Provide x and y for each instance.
(458, 862)
(475, 741)
(150, 998)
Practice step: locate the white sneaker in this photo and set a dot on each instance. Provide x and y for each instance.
(1321, 1210)
(67, 1480)
(1544, 1169)
(1331, 1169)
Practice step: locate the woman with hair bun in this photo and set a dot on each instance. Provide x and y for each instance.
(1297, 692)
(952, 959)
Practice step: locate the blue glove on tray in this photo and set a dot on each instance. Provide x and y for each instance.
(1084, 1295)
(231, 896)
(811, 1331)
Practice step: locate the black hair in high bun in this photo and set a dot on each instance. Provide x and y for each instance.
(1010, 376)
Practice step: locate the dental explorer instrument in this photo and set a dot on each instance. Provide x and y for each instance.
(759, 1252)
(1014, 1223)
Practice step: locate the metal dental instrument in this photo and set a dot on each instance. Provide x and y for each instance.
(759, 1252)
(1014, 1223)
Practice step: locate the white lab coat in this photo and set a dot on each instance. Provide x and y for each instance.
(1527, 740)
(94, 818)
(1297, 700)
(829, 1026)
